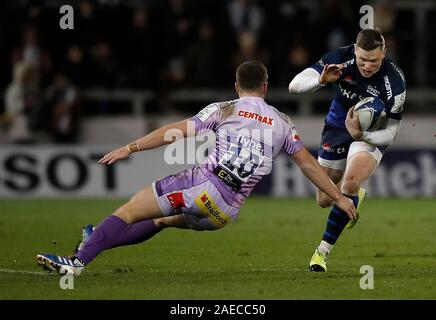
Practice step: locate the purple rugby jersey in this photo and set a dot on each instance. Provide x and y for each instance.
(249, 136)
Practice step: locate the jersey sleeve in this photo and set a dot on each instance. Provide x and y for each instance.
(207, 119)
(332, 57)
(292, 142)
(395, 93)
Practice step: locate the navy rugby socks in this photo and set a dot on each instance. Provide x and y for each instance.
(336, 222)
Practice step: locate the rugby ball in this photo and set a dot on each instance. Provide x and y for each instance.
(371, 111)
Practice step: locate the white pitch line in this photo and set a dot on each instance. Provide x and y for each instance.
(24, 271)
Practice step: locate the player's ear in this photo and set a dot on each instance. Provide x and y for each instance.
(237, 88)
(265, 88)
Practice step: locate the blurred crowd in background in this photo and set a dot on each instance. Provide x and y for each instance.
(172, 44)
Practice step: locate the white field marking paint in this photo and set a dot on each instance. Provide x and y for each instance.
(28, 272)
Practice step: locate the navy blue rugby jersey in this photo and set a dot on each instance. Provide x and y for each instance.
(388, 84)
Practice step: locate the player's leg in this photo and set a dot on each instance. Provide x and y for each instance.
(189, 194)
(114, 230)
(141, 207)
(323, 200)
(332, 156)
(141, 231)
(148, 212)
(362, 161)
(137, 232)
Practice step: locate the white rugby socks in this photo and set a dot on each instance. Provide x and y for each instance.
(324, 248)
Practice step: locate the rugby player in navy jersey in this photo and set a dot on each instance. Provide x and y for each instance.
(347, 154)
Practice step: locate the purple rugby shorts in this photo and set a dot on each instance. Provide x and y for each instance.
(192, 193)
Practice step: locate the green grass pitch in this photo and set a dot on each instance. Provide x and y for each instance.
(262, 255)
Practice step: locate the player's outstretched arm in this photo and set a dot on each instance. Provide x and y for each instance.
(306, 81)
(309, 80)
(159, 137)
(330, 73)
(313, 171)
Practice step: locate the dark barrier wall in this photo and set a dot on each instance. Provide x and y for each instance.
(402, 173)
(74, 172)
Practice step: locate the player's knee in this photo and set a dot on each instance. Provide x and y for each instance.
(324, 201)
(126, 213)
(350, 185)
(160, 223)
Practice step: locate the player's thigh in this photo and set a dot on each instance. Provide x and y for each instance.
(323, 199)
(142, 206)
(363, 160)
(332, 154)
(334, 175)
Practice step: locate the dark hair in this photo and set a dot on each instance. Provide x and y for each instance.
(369, 39)
(251, 75)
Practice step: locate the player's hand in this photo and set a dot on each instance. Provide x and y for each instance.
(352, 124)
(114, 155)
(346, 204)
(330, 73)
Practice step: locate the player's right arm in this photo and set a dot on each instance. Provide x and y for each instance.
(327, 70)
(206, 119)
(313, 171)
(159, 137)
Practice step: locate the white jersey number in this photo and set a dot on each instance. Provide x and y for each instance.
(240, 161)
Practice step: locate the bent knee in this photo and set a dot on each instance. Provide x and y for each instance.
(350, 185)
(324, 201)
(126, 213)
(161, 223)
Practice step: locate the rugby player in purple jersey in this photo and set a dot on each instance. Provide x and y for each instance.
(249, 135)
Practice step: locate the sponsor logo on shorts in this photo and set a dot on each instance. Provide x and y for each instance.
(326, 147)
(228, 178)
(210, 209)
(176, 200)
